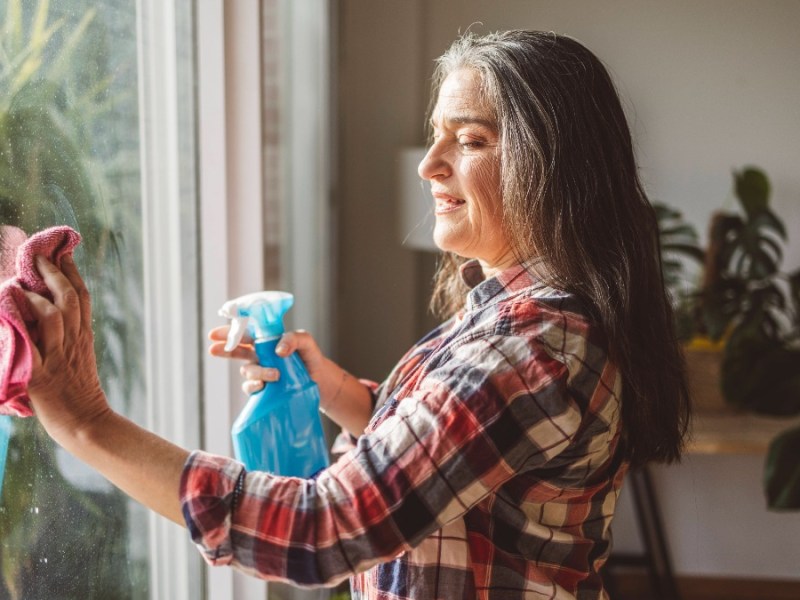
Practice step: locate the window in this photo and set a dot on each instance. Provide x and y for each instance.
(80, 105)
(153, 127)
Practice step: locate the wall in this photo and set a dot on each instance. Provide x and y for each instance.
(709, 87)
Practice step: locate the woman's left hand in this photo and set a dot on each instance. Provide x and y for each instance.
(65, 389)
(67, 398)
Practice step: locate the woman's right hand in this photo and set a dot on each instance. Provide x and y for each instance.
(320, 369)
(342, 397)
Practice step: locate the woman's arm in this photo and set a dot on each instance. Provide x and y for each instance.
(346, 400)
(68, 400)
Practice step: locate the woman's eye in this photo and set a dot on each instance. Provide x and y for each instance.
(470, 143)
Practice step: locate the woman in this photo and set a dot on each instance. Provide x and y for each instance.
(488, 464)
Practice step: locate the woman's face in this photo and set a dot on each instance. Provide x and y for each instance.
(463, 166)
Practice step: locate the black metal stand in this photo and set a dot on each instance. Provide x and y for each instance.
(655, 557)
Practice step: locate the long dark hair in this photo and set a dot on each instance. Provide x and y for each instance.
(572, 196)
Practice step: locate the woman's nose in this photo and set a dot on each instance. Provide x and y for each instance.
(433, 164)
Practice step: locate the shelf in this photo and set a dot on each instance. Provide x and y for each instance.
(725, 431)
(717, 428)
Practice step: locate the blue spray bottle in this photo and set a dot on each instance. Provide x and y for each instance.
(279, 430)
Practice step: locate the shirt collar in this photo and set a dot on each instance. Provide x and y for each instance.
(485, 291)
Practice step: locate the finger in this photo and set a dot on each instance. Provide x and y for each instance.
(49, 324)
(64, 295)
(221, 334)
(256, 372)
(70, 270)
(291, 342)
(251, 387)
(240, 352)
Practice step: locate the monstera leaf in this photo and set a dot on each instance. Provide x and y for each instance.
(756, 241)
(782, 471)
(678, 241)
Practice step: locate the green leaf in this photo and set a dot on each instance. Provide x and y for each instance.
(664, 212)
(794, 291)
(752, 189)
(769, 220)
(39, 25)
(682, 229)
(759, 373)
(65, 58)
(687, 250)
(762, 265)
(12, 26)
(782, 471)
(772, 247)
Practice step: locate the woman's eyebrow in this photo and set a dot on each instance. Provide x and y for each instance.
(467, 119)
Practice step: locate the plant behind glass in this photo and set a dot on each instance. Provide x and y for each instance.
(55, 168)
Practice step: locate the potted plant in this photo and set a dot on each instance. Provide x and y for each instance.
(748, 310)
(747, 301)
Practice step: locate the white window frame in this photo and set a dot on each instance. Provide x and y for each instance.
(231, 180)
(171, 356)
(231, 227)
(231, 217)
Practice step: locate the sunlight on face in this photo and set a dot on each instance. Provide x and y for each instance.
(463, 166)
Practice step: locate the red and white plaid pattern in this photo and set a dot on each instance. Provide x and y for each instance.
(490, 468)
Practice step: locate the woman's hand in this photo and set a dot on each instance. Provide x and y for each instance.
(67, 398)
(255, 375)
(64, 389)
(342, 397)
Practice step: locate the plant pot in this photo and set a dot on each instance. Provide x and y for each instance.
(703, 367)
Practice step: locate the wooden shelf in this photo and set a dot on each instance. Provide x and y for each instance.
(717, 428)
(725, 431)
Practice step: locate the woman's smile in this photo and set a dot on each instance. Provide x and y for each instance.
(446, 203)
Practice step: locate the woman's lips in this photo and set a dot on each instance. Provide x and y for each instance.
(446, 203)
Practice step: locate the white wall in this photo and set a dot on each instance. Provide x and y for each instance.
(710, 86)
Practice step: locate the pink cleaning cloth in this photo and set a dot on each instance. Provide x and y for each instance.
(19, 273)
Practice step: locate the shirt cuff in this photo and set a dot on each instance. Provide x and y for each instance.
(208, 494)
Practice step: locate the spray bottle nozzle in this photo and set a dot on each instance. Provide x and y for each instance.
(260, 314)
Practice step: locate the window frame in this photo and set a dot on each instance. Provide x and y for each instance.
(171, 369)
(230, 167)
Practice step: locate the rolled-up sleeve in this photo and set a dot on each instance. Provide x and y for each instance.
(498, 407)
(208, 493)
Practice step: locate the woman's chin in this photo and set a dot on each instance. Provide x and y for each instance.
(443, 244)
(446, 239)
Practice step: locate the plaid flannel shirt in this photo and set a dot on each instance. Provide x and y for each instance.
(490, 468)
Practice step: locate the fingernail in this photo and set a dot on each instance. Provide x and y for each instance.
(281, 348)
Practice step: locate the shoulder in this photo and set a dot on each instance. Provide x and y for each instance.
(539, 336)
(543, 318)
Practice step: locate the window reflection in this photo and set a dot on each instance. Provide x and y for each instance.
(69, 154)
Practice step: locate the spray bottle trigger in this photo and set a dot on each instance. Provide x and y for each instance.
(236, 333)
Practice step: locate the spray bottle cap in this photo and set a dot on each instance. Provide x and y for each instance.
(261, 314)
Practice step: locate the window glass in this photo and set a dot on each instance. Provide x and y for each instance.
(69, 155)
